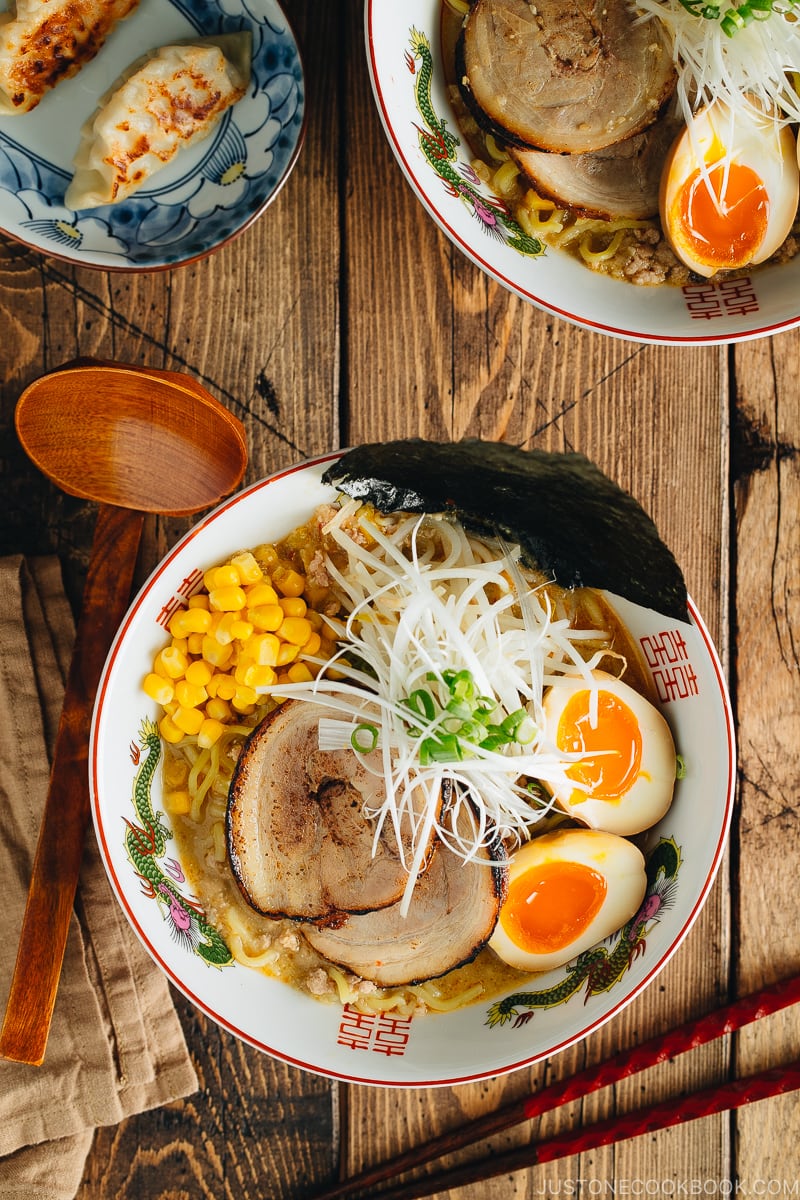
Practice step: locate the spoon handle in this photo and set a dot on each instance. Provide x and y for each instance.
(59, 849)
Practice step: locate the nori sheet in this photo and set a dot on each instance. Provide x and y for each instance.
(569, 518)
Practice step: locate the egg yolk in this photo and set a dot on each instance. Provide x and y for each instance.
(611, 749)
(551, 905)
(724, 229)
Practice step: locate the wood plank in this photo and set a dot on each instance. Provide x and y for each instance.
(766, 848)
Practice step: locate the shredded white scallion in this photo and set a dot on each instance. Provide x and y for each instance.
(438, 618)
(751, 72)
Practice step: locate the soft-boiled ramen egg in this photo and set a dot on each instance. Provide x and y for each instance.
(739, 206)
(624, 779)
(567, 891)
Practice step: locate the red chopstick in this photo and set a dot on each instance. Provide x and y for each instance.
(715, 1099)
(658, 1049)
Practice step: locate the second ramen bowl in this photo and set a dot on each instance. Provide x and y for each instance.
(404, 52)
(486, 1038)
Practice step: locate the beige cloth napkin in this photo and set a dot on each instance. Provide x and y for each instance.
(116, 1046)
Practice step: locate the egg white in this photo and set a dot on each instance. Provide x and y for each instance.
(620, 863)
(745, 137)
(651, 792)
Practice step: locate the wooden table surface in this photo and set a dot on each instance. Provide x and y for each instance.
(344, 315)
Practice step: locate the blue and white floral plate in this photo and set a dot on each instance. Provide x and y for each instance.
(210, 193)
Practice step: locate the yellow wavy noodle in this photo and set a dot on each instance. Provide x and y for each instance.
(538, 216)
(505, 179)
(400, 1003)
(346, 992)
(595, 257)
(201, 777)
(494, 149)
(220, 849)
(261, 959)
(432, 998)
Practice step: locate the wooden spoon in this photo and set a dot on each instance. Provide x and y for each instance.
(136, 441)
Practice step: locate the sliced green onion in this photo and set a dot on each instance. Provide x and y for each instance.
(731, 20)
(364, 738)
(680, 767)
(463, 722)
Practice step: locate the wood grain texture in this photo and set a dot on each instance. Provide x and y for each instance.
(343, 315)
(766, 845)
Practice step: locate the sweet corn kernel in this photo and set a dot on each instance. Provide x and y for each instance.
(158, 688)
(262, 648)
(199, 600)
(226, 689)
(222, 627)
(194, 643)
(189, 620)
(239, 670)
(178, 801)
(251, 675)
(169, 730)
(244, 695)
(188, 719)
(218, 709)
(189, 695)
(262, 593)
(315, 618)
(312, 646)
(286, 654)
(209, 733)
(171, 662)
(296, 630)
(247, 567)
(299, 673)
(221, 577)
(293, 606)
(181, 644)
(227, 599)
(215, 653)
(266, 616)
(288, 581)
(198, 673)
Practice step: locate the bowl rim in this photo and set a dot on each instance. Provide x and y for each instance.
(526, 1060)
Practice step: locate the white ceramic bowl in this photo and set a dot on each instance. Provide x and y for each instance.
(478, 1041)
(207, 195)
(405, 61)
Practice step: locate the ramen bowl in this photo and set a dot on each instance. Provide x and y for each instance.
(406, 63)
(488, 1037)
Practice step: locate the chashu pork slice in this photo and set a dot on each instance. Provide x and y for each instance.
(570, 78)
(621, 181)
(299, 842)
(452, 914)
